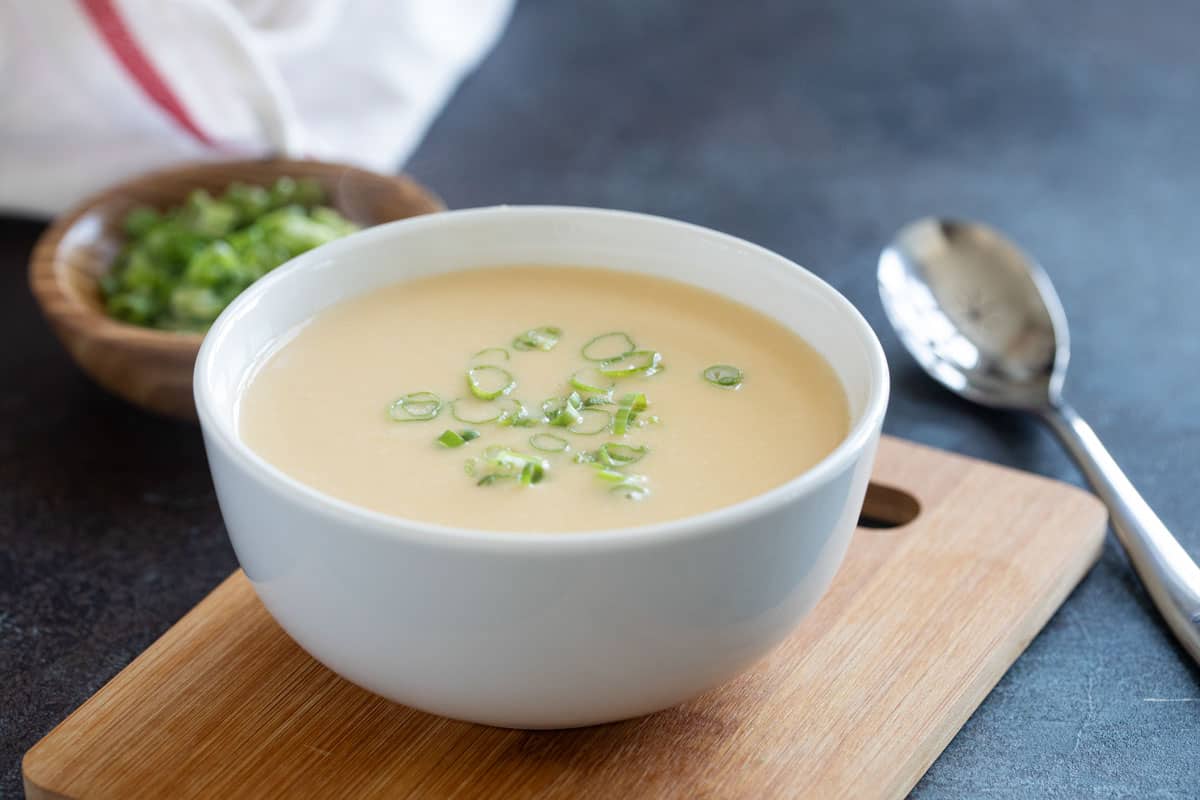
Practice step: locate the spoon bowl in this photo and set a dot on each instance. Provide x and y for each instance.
(153, 368)
(976, 312)
(983, 319)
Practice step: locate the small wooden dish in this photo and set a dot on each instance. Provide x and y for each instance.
(152, 368)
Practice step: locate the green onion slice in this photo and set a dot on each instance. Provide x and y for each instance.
(543, 338)
(631, 403)
(615, 454)
(415, 407)
(598, 400)
(517, 416)
(451, 439)
(487, 382)
(469, 435)
(490, 478)
(591, 421)
(548, 443)
(639, 362)
(631, 487)
(609, 346)
(491, 353)
(562, 412)
(475, 412)
(505, 463)
(634, 400)
(724, 375)
(610, 475)
(590, 379)
(531, 473)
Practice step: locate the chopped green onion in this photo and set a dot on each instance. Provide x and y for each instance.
(548, 443)
(490, 478)
(562, 412)
(451, 439)
(598, 400)
(517, 417)
(461, 409)
(635, 400)
(631, 403)
(609, 346)
(724, 376)
(531, 473)
(498, 380)
(632, 487)
(469, 434)
(488, 350)
(615, 454)
(415, 407)
(507, 463)
(591, 421)
(639, 362)
(543, 338)
(590, 379)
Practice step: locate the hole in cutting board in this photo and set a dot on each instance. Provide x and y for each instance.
(887, 507)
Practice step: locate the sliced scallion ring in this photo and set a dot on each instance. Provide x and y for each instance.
(517, 416)
(590, 379)
(724, 375)
(492, 477)
(475, 412)
(639, 362)
(487, 381)
(616, 454)
(591, 421)
(415, 407)
(531, 473)
(548, 443)
(543, 338)
(451, 439)
(635, 400)
(631, 404)
(561, 412)
(608, 346)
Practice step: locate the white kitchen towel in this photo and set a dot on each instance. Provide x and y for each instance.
(93, 91)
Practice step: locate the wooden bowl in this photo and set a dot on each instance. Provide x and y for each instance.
(153, 368)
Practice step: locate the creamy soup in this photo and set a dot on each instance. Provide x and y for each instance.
(543, 399)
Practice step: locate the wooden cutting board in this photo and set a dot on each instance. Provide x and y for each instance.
(920, 623)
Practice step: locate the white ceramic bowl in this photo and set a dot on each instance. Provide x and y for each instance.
(538, 631)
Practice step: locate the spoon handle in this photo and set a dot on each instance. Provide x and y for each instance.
(1167, 571)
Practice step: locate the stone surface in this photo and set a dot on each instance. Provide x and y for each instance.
(816, 129)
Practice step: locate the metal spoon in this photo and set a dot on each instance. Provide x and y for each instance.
(983, 319)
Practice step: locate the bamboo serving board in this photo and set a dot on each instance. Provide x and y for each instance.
(920, 623)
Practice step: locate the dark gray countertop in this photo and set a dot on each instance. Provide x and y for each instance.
(816, 129)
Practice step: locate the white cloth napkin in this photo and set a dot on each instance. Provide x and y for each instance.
(93, 91)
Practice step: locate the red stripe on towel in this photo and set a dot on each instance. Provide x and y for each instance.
(124, 46)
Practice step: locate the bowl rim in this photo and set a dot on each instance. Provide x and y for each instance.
(46, 259)
(221, 433)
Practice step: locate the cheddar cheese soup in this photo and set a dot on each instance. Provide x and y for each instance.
(542, 399)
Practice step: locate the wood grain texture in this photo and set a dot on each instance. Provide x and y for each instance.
(153, 368)
(920, 623)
